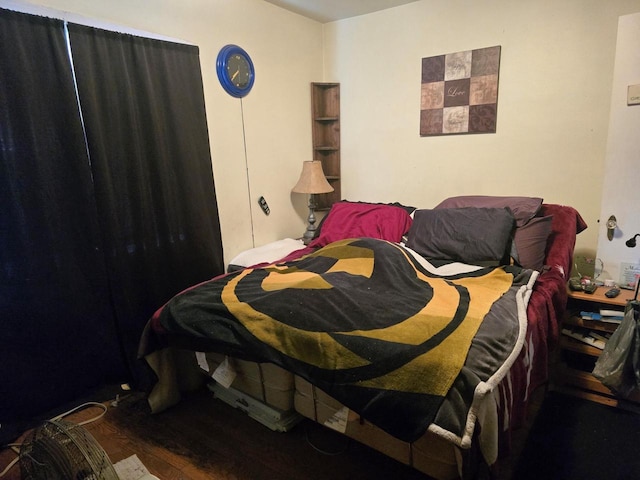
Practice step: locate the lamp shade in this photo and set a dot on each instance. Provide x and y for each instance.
(312, 179)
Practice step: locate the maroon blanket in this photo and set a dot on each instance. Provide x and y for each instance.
(545, 310)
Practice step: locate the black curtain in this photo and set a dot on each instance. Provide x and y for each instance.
(143, 108)
(57, 329)
(98, 227)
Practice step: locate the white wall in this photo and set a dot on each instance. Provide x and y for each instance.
(553, 107)
(622, 174)
(287, 53)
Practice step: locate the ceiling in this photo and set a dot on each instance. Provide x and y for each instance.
(331, 10)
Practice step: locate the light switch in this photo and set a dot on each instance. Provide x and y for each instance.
(633, 95)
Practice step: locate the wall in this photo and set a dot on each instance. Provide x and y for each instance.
(272, 122)
(554, 100)
(622, 191)
(553, 108)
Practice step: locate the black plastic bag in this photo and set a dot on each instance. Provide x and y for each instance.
(618, 367)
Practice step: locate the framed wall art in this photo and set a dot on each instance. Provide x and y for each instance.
(460, 92)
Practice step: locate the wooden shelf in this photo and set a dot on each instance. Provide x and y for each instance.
(325, 132)
(321, 148)
(575, 359)
(585, 380)
(585, 385)
(599, 297)
(577, 346)
(591, 324)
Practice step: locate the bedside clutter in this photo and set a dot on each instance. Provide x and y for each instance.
(590, 320)
(619, 365)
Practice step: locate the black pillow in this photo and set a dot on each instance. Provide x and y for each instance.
(479, 236)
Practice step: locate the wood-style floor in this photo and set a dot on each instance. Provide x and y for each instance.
(203, 438)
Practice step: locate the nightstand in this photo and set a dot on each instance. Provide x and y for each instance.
(577, 356)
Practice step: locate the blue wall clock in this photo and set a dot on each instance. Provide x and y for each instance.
(235, 70)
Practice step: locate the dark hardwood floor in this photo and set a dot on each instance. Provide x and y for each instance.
(203, 438)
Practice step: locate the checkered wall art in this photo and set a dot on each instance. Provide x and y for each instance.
(460, 92)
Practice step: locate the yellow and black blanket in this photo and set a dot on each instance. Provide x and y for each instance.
(361, 319)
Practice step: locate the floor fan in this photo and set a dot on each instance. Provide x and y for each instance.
(58, 449)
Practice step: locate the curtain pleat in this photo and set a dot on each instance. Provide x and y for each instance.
(98, 226)
(57, 326)
(143, 105)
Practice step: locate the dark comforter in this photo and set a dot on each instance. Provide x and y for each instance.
(364, 321)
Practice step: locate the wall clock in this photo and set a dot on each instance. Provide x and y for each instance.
(235, 70)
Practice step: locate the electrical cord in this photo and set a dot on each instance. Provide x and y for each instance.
(16, 449)
(246, 165)
(84, 405)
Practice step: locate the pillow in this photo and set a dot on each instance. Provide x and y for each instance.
(479, 236)
(267, 253)
(408, 208)
(523, 208)
(355, 219)
(531, 242)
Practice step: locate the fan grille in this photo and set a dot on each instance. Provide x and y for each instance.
(63, 450)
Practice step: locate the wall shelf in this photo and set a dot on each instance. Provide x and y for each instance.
(325, 117)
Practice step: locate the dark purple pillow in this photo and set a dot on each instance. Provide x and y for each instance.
(531, 242)
(523, 208)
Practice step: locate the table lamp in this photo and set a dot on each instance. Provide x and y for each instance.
(631, 243)
(311, 181)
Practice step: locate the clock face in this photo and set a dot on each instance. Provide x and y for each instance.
(235, 71)
(238, 70)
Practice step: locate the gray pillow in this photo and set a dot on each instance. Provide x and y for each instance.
(479, 236)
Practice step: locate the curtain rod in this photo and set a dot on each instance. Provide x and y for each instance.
(26, 7)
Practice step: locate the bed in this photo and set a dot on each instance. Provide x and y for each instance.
(420, 332)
